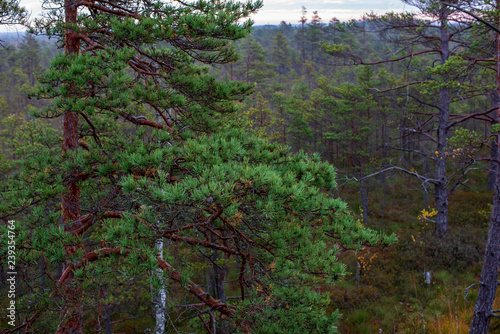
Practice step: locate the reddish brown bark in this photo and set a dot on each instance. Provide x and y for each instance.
(119, 11)
(89, 257)
(71, 200)
(72, 314)
(196, 290)
(142, 121)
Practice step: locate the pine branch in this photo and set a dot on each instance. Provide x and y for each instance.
(196, 290)
(26, 324)
(420, 177)
(489, 25)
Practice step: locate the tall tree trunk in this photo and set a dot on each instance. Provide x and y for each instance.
(217, 275)
(494, 146)
(440, 191)
(108, 324)
(72, 313)
(493, 166)
(489, 275)
(483, 310)
(384, 197)
(161, 301)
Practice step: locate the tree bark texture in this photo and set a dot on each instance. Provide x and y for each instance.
(494, 146)
(161, 301)
(489, 275)
(483, 310)
(72, 312)
(440, 190)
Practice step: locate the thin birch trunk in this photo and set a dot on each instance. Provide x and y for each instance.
(162, 294)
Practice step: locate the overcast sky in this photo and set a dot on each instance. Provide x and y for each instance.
(275, 11)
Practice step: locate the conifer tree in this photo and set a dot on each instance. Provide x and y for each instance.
(12, 13)
(253, 67)
(281, 53)
(147, 153)
(314, 35)
(302, 40)
(29, 51)
(487, 16)
(432, 36)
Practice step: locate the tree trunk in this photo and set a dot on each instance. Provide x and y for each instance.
(108, 325)
(489, 275)
(494, 146)
(483, 310)
(217, 276)
(440, 191)
(384, 197)
(426, 174)
(493, 167)
(72, 312)
(161, 301)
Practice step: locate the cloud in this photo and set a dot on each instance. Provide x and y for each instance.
(275, 11)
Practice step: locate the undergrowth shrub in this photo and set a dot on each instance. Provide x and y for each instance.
(469, 208)
(349, 298)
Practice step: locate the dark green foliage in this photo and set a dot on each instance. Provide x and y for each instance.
(264, 194)
(160, 157)
(200, 162)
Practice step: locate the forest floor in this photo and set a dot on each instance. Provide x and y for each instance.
(387, 292)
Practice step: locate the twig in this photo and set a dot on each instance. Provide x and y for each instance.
(467, 291)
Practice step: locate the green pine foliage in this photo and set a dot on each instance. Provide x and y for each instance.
(12, 13)
(276, 226)
(246, 219)
(160, 156)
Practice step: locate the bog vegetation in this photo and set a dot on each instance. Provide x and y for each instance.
(171, 169)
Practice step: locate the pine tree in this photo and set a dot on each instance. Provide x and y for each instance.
(430, 36)
(281, 53)
(29, 52)
(12, 13)
(301, 36)
(314, 36)
(149, 151)
(486, 14)
(253, 67)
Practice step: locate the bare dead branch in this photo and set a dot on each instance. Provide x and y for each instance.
(489, 25)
